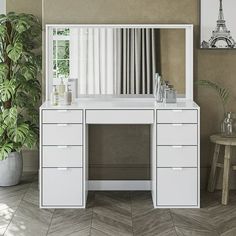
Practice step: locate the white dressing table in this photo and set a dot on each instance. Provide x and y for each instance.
(175, 162)
(174, 128)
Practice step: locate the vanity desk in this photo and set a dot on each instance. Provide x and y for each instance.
(174, 148)
(113, 68)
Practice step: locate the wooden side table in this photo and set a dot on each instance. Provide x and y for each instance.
(228, 143)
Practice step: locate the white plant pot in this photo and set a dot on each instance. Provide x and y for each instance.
(11, 169)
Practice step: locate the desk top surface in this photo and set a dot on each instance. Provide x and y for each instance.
(121, 103)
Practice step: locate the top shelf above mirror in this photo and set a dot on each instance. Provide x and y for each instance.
(119, 59)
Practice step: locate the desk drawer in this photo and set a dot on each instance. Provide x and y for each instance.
(177, 116)
(62, 116)
(177, 134)
(177, 156)
(62, 134)
(62, 156)
(62, 187)
(119, 116)
(177, 187)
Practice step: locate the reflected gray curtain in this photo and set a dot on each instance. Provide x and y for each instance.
(138, 57)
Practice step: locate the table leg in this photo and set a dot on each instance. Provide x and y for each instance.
(226, 173)
(212, 177)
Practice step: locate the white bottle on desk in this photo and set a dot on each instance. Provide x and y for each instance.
(61, 88)
(67, 96)
(54, 96)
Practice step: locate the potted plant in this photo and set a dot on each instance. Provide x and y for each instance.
(223, 93)
(20, 90)
(228, 124)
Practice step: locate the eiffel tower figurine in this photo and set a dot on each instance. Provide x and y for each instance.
(220, 34)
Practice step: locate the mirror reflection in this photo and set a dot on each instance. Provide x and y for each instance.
(117, 60)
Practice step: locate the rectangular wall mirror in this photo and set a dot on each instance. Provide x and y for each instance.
(119, 59)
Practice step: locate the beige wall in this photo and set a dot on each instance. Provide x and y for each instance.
(26, 6)
(218, 66)
(172, 44)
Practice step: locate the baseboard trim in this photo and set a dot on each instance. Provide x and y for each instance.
(119, 185)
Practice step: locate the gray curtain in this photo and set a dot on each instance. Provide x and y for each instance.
(138, 58)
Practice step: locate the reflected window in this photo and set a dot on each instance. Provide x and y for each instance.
(61, 53)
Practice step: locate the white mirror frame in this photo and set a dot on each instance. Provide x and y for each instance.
(188, 48)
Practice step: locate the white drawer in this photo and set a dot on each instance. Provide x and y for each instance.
(62, 156)
(177, 134)
(177, 187)
(177, 156)
(62, 187)
(119, 116)
(62, 116)
(177, 116)
(62, 134)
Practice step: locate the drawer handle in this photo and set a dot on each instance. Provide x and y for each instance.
(177, 146)
(176, 169)
(177, 124)
(62, 169)
(62, 125)
(62, 147)
(177, 110)
(62, 110)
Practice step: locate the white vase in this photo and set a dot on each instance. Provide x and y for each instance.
(11, 169)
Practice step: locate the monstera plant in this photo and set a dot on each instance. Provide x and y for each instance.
(20, 90)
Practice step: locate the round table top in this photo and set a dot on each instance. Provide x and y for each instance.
(219, 139)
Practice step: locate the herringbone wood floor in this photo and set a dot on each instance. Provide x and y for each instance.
(111, 213)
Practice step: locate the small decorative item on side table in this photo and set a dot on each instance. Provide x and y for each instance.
(228, 125)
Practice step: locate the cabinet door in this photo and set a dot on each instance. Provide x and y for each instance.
(62, 187)
(177, 187)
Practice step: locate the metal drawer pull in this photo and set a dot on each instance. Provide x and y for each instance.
(62, 146)
(177, 110)
(62, 125)
(62, 110)
(62, 168)
(177, 124)
(177, 146)
(179, 168)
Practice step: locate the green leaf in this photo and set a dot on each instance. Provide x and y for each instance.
(2, 18)
(19, 133)
(21, 100)
(14, 51)
(10, 116)
(3, 31)
(5, 150)
(21, 26)
(31, 140)
(6, 90)
(29, 71)
(2, 130)
(3, 70)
